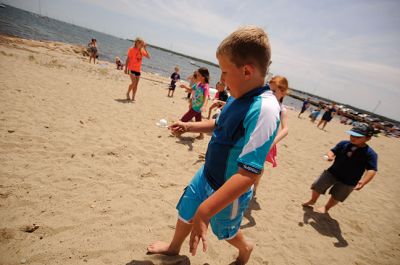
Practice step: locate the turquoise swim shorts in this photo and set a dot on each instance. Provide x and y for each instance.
(224, 224)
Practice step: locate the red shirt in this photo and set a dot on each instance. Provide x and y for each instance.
(135, 59)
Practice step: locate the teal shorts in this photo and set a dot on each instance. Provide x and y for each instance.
(224, 224)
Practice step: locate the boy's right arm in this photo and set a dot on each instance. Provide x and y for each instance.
(204, 126)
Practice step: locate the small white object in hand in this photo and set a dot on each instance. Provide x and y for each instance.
(325, 157)
(162, 123)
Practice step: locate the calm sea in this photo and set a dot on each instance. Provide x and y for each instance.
(20, 23)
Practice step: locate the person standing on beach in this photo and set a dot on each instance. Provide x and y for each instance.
(328, 115)
(175, 77)
(192, 80)
(93, 50)
(220, 191)
(306, 104)
(220, 98)
(200, 92)
(352, 160)
(280, 87)
(133, 65)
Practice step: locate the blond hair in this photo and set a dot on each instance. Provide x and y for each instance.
(281, 83)
(138, 40)
(247, 45)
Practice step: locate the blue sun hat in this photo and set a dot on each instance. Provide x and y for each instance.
(361, 130)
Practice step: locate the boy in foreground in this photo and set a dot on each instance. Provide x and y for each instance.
(353, 159)
(220, 191)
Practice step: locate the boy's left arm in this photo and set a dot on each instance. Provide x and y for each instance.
(368, 176)
(231, 190)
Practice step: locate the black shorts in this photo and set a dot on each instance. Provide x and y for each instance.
(134, 73)
(172, 87)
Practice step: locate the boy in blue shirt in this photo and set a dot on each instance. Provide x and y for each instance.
(175, 77)
(352, 160)
(220, 191)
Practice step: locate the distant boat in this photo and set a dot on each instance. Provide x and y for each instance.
(192, 62)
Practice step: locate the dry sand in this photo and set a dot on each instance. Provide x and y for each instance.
(101, 180)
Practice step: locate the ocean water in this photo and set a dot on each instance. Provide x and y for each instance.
(20, 23)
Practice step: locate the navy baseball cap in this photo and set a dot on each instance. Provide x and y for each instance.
(361, 130)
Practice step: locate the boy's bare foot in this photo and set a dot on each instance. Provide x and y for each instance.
(322, 210)
(308, 204)
(160, 247)
(244, 254)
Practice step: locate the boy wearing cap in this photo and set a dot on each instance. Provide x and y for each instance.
(352, 160)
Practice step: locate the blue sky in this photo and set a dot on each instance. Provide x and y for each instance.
(348, 51)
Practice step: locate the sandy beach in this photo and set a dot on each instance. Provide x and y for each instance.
(100, 180)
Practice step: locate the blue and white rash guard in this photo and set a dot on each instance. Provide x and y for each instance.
(243, 135)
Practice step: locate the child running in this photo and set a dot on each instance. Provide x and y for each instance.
(355, 164)
(175, 77)
(200, 92)
(242, 135)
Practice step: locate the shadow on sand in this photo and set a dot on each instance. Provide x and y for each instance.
(324, 224)
(123, 100)
(186, 140)
(253, 205)
(162, 260)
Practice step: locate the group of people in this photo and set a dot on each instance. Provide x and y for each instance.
(251, 122)
(329, 113)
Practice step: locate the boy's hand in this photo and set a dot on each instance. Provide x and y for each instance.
(199, 232)
(359, 185)
(179, 128)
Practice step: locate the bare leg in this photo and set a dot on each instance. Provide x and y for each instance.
(182, 230)
(331, 202)
(245, 248)
(319, 123)
(130, 87)
(313, 200)
(323, 125)
(134, 87)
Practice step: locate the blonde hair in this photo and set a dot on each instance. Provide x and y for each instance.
(138, 40)
(247, 45)
(281, 83)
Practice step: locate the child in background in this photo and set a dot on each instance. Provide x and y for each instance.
(93, 50)
(355, 164)
(133, 65)
(280, 87)
(220, 98)
(200, 92)
(192, 80)
(174, 78)
(220, 191)
(314, 115)
(306, 104)
(119, 64)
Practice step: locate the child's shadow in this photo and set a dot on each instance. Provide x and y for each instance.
(324, 224)
(162, 259)
(253, 205)
(186, 140)
(123, 100)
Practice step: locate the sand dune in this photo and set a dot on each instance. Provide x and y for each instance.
(101, 180)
